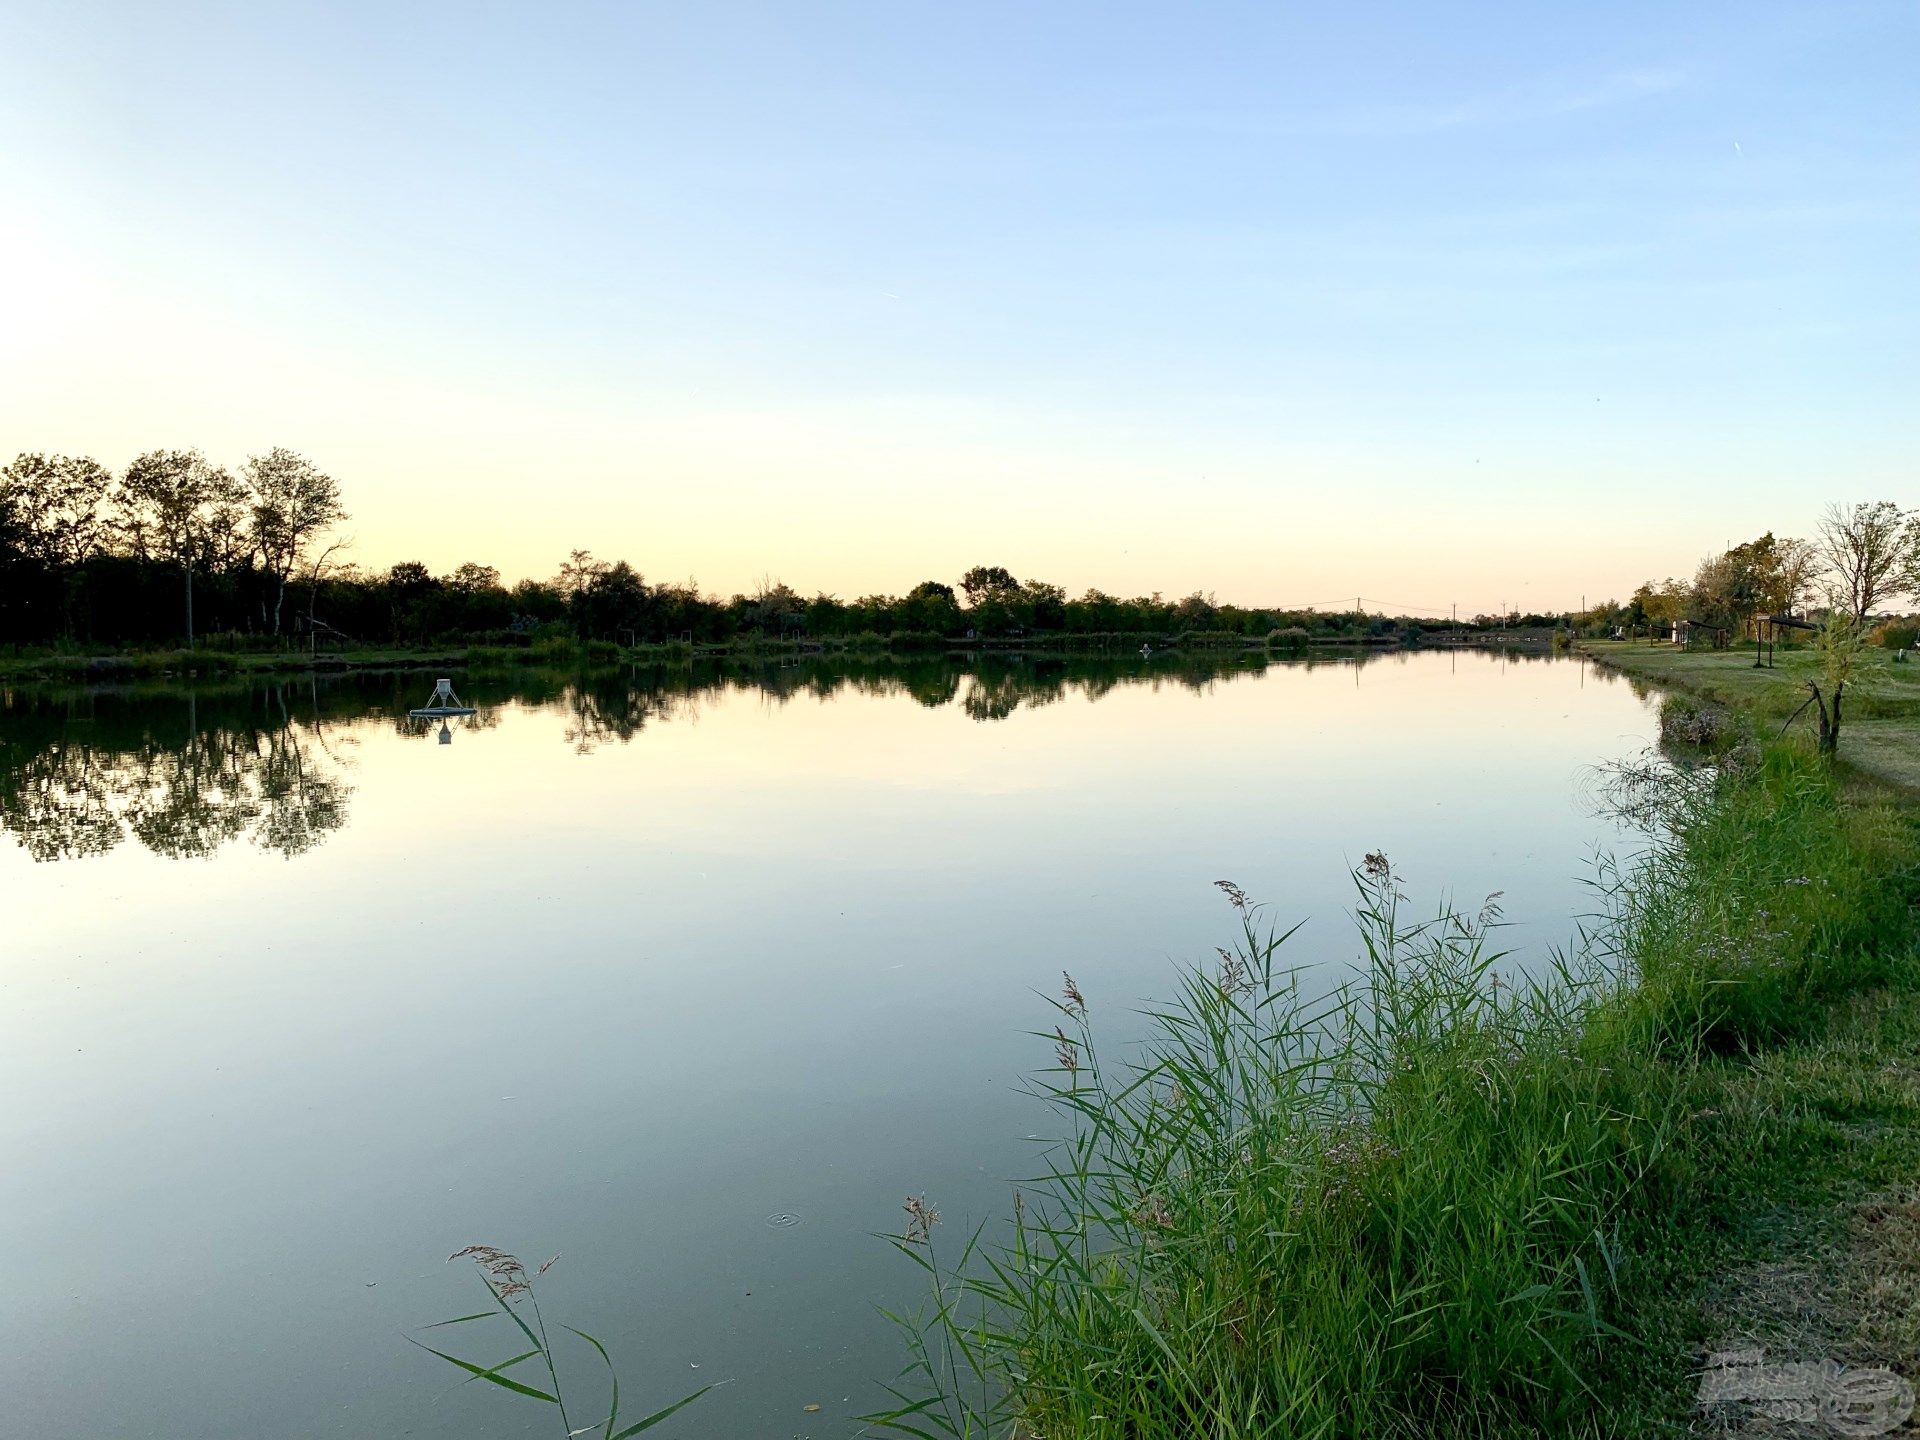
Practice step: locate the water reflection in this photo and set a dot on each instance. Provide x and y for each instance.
(485, 1008)
(188, 772)
(182, 774)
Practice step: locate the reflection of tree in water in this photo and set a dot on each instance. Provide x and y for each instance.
(189, 802)
(985, 687)
(189, 773)
(615, 706)
(305, 800)
(995, 693)
(59, 804)
(181, 775)
(605, 708)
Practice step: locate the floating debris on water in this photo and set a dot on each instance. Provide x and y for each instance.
(782, 1220)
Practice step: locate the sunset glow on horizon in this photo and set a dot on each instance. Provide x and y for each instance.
(1434, 305)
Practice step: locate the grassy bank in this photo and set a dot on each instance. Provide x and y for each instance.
(1881, 736)
(1451, 1200)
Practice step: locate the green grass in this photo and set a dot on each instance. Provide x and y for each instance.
(1444, 1201)
(1881, 736)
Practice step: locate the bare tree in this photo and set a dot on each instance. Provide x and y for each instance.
(314, 575)
(177, 507)
(1867, 548)
(293, 504)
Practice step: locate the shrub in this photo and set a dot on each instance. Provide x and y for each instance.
(1697, 724)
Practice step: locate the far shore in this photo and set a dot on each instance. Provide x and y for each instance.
(217, 659)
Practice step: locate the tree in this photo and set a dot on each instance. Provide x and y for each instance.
(410, 588)
(989, 582)
(1796, 567)
(931, 606)
(1869, 551)
(179, 508)
(615, 600)
(1661, 603)
(774, 606)
(472, 579)
(1725, 590)
(1197, 611)
(1839, 645)
(59, 502)
(577, 572)
(1044, 605)
(315, 572)
(15, 563)
(293, 504)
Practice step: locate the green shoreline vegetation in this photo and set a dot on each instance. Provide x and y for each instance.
(1452, 1200)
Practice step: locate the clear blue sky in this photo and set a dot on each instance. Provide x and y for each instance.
(1484, 303)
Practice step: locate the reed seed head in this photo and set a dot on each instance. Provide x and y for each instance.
(1066, 1052)
(921, 1218)
(1236, 897)
(504, 1272)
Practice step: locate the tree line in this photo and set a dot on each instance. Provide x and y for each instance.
(1862, 558)
(177, 547)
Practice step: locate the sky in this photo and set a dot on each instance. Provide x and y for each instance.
(1480, 304)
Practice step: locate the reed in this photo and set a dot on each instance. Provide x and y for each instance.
(1412, 1205)
(510, 1291)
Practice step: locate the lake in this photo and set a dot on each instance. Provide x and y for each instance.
(690, 976)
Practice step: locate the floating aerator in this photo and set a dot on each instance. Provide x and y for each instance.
(441, 703)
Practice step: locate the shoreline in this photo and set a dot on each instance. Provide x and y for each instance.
(56, 667)
(1880, 739)
(1733, 1116)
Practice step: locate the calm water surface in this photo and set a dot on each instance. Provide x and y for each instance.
(295, 1001)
